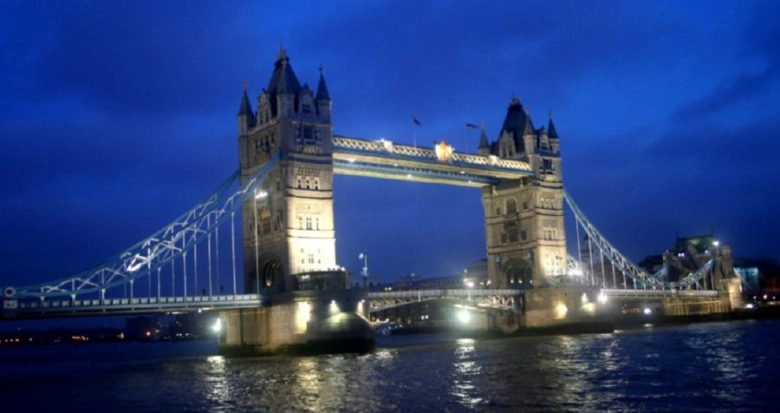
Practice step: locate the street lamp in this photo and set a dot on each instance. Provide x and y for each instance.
(364, 256)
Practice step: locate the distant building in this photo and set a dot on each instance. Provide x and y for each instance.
(749, 276)
(475, 275)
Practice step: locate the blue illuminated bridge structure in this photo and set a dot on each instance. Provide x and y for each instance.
(191, 263)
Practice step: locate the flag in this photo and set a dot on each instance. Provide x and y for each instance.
(471, 125)
(416, 122)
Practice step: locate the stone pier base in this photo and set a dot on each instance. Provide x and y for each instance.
(301, 322)
(554, 306)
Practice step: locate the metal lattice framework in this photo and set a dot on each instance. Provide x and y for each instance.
(620, 262)
(162, 247)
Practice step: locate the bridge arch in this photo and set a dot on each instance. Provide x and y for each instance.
(519, 274)
(271, 274)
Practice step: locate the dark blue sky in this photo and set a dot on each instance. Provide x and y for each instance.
(115, 117)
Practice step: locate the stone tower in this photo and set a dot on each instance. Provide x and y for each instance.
(288, 224)
(524, 226)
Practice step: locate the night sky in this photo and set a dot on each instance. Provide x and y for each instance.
(116, 117)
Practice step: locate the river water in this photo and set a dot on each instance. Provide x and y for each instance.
(728, 367)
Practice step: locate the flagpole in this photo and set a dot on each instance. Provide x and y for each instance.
(415, 124)
(465, 135)
(465, 140)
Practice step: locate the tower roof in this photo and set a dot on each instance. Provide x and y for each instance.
(283, 80)
(516, 122)
(322, 88)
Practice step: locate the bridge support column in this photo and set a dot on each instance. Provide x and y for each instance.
(526, 242)
(301, 322)
(576, 307)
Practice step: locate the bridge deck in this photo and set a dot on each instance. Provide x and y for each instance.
(124, 306)
(384, 159)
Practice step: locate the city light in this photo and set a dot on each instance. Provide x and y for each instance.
(602, 298)
(560, 311)
(302, 316)
(217, 326)
(261, 194)
(463, 316)
(647, 311)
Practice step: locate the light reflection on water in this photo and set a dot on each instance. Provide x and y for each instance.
(705, 367)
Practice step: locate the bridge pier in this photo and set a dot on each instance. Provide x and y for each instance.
(565, 306)
(299, 322)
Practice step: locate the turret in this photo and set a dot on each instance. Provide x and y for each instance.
(246, 118)
(484, 145)
(324, 104)
(552, 135)
(529, 137)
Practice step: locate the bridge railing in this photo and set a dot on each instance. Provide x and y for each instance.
(179, 303)
(442, 292)
(387, 147)
(658, 293)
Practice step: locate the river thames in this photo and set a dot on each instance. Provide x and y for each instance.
(725, 366)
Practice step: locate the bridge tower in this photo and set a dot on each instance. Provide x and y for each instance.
(288, 224)
(524, 225)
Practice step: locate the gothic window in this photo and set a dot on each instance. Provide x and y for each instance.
(316, 184)
(300, 222)
(266, 225)
(308, 134)
(511, 206)
(311, 258)
(525, 204)
(308, 223)
(498, 211)
(298, 181)
(317, 223)
(523, 236)
(306, 108)
(512, 234)
(308, 185)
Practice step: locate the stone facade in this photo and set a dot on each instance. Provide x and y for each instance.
(288, 225)
(524, 226)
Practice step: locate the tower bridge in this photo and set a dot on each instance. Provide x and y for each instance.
(273, 223)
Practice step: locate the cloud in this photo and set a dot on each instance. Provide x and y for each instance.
(729, 92)
(758, 67)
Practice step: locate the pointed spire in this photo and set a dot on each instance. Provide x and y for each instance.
(551, 132)
(322, 88)
(245, 108)
(483, 139)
